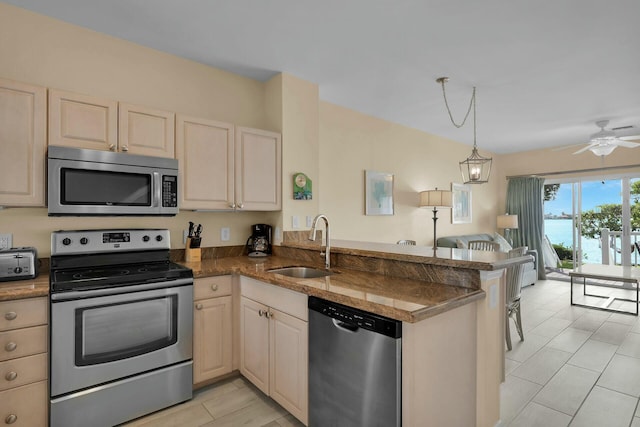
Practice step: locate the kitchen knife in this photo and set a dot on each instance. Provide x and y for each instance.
(191, 224)
(198, 231)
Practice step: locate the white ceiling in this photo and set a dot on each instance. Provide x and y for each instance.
(545, 70)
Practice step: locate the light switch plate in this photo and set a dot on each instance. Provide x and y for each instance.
(295, 221)
(225, 234)
(185, 234)
(6, 241)
(309, 221)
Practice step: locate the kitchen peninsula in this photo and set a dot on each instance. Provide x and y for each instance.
(448, 301)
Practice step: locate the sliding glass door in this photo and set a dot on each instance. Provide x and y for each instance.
(591, 221)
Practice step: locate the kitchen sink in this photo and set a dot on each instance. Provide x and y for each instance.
(301, 272)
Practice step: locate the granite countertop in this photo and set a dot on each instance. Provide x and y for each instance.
(32, 288)
(408, 300)
(446, 257)
(401, 299)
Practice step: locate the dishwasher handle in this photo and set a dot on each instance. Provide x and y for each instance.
(348, 327)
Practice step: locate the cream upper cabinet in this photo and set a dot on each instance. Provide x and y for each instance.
(204, 149)
(258, 164)
(23, 143)
(82, 121)
(146, 131)
(274, 343)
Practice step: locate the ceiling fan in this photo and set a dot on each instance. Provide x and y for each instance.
(603, 143)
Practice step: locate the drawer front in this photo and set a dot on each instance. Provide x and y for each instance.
(211, 287)
(23, 313)
(21, 371)
(285, 300)
(24, 406)
(23, 342)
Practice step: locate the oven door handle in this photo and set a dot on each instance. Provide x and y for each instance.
(64, 296)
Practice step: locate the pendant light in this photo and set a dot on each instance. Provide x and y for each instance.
(475, 169)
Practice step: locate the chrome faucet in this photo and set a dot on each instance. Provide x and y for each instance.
(312, 236)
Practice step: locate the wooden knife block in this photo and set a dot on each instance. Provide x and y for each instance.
(192, 254)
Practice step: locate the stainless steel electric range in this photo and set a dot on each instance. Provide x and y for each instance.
(121, 319)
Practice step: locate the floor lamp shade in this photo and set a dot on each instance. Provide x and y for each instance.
(436, 198)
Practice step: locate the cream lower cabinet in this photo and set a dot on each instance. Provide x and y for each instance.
(212, 329)
(23, 143)
(23, 362)
(274, 343)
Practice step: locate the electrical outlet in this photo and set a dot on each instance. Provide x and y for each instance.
(6, 241)
(225, 234)
(309, 221)
(295, 221)
(185, 234)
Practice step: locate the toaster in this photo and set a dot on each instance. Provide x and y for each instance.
(18, 264)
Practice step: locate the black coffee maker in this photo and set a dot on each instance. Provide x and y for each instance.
(259, 243)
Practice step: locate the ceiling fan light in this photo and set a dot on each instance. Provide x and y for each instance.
(602, 150)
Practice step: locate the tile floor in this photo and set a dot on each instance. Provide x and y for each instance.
(231, 403)
(577, 367)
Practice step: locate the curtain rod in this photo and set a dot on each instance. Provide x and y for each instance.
(575, 171)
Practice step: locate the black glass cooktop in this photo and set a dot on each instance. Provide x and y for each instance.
(116, 275)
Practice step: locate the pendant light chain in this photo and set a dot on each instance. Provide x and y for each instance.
(472, 103)
(476, 168)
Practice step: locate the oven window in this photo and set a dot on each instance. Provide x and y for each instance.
(93, 187)
(112, 332)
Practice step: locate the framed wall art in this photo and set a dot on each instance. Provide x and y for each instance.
(378, 193)
(461, 209)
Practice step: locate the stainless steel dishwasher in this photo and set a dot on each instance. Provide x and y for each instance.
(355, 367)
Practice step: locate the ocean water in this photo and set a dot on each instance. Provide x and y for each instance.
(560, 231)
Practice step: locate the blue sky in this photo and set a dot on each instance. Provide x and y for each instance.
(594, 193)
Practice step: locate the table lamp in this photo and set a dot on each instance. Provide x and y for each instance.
(508, 222)
(436, 199)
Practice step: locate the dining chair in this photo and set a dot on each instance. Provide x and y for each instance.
(513, 291)
(407, 242)
(483, 245)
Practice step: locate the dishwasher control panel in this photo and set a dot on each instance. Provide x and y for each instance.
(362, 319)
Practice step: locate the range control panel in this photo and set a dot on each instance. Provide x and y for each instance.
(96, 241)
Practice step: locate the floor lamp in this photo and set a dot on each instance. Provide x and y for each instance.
(436, 199)
(508, 222)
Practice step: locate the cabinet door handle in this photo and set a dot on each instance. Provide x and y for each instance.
(232, 205)
(261, 313)
(240, 205)
(11, 315)
(11, 376)
(125, 148)
(198, 306)
(214, 287)
(11, 418)
(112, 147)
(10, 346)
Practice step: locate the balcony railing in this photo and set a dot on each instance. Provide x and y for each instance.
(611, 242)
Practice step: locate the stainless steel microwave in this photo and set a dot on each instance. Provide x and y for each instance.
(93, 182)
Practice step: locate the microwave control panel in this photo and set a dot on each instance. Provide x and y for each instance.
(170, 191)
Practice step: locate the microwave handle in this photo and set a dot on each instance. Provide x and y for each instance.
(157, 190)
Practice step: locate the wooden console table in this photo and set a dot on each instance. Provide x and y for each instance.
(626, 276)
